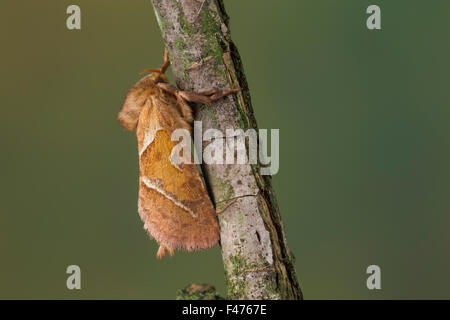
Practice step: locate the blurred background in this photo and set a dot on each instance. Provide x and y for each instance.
(364, 158)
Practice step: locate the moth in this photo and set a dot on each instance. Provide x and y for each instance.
(173, 202)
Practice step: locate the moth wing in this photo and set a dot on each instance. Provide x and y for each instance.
(173, 202)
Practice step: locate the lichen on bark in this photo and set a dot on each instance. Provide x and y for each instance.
(257, 261)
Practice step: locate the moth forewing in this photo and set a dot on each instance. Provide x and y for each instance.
(173, 202)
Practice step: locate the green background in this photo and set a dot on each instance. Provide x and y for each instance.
(364, 161)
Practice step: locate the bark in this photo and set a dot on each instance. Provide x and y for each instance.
(257, 261)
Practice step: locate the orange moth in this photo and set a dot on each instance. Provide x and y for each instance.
(173, 202)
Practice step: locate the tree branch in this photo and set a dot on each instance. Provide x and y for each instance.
(257, 261)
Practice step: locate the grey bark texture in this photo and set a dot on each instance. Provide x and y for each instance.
(257, 261)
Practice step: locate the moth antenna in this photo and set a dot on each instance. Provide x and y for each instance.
(166, 62)
(150, 70)
(164, 66)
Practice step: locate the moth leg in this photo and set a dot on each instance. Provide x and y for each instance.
(163, 250)
(204, 97)
(185, 109)
(216, 94)
(207, 92)
(167, 87)
(183, 106)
